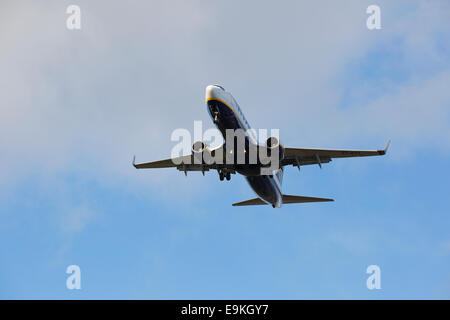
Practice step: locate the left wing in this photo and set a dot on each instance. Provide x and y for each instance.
(298, 157)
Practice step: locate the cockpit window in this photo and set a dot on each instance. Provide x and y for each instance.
(219, 86)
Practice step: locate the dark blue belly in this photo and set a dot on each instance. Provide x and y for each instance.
(263, 188)
(263, 185)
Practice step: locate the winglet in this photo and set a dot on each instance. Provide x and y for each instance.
(384, 151)
(387, 146)
(134, 162)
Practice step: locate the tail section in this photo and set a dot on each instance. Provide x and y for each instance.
(285, 199)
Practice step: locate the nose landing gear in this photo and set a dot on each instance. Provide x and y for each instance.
(216, 117)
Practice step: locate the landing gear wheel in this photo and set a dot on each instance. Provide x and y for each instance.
(228, 176)
(221, 175)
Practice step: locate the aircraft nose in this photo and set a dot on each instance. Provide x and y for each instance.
(213, 92)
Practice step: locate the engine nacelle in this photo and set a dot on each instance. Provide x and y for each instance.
(273, 143)
(201, 152)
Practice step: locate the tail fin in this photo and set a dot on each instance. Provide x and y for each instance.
(301, 199)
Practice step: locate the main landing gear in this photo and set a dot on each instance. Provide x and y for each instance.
(223, 175)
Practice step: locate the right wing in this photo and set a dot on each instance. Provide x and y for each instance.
(166, 163)
(184, 163)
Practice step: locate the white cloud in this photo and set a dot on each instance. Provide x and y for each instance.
(88, 100)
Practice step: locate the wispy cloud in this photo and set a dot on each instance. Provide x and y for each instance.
(76, 219)
(94, 98)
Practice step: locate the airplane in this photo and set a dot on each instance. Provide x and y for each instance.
(227, 115)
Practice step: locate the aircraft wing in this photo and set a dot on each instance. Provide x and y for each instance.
(184, 163)
(166, 163)
(298, 157)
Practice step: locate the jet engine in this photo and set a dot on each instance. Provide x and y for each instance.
(273, 143)
(201, 152)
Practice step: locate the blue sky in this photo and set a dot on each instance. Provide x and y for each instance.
(76, 106)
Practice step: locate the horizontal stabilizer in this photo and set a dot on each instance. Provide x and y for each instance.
(300, 199)
(251, 202)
